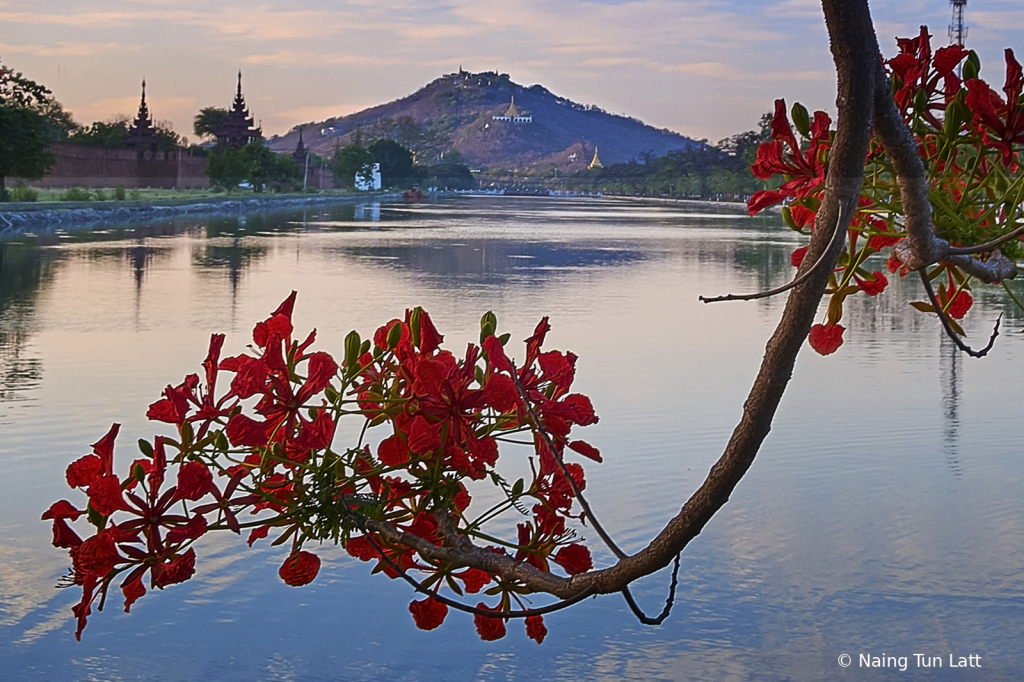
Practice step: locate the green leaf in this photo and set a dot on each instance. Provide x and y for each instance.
(920, 101)
(923, 306)
(801, 119)
(414, 325)
(504, 338)
(517, 488)
(835, 309)
(955, 326)
(145, 448)
(221, 441)
(972, 66)
(394, 335)
(353, 345)
(488, 324)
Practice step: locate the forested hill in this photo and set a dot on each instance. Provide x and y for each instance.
(455, 112)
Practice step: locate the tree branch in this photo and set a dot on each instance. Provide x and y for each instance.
(797, 281)
(949, 329)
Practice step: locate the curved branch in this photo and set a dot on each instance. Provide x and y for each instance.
(988, 246)
(995, 268)
(797, 281)
(949, 329)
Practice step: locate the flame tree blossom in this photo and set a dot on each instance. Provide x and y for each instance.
(970, 140)
(256, 450)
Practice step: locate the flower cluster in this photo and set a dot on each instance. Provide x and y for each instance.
(262, 456)
(970, 140)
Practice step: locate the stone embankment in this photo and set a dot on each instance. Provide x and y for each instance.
(18, 218)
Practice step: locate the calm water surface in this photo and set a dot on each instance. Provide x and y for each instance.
(883, 515)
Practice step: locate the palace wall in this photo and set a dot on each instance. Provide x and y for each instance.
(82, 166)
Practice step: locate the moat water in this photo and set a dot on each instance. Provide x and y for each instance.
(882, 518)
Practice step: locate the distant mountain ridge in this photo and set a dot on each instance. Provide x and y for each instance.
(460, 109)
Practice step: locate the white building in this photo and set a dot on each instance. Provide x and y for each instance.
(368, 179)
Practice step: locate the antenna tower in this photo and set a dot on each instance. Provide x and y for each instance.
(957, 30)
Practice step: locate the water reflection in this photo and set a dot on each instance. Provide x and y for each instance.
(849, 533)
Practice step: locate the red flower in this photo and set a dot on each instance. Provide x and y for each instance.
(299, 569)
(62, 510)
(489, 629)
(393, 451)
(243, 430)
(586, 449)
(574, 558)
(105, 495)
(97, 556)
(797, 256)
(1000, 122)
(194, 481)
(360, 548)
(133, 590)
(804, 169)
(535, 629)
(428, 613)
(474, 579)
(500, 392)
(960, 305)
(175, 571)
(83, 471)
(192, 530)
(875, 286)
(826, 339)
(424, 438)
(429, 338)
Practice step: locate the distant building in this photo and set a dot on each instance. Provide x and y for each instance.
(238, 130)
(513, 115)
(368, 181)
(141, 134)
(596, 163)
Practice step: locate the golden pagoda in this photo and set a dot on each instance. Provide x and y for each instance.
(596, 163)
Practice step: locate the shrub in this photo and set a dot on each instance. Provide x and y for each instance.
(22, 193)
(119, 193)
(75, 194)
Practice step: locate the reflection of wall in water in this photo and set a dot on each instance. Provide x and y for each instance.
(368, 211)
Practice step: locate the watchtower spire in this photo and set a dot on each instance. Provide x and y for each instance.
(299, 155)
(141, 133)
(238, 129)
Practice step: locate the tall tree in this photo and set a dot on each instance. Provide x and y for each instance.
(395, 162)
(30, 121)
(208, 121)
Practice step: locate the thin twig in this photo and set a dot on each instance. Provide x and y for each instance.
(637, 611)
(988, 246)
(795, 283)
(949, 330)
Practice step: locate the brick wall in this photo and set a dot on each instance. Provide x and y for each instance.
(81, 166)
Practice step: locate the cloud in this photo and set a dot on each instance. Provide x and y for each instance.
(68, 49)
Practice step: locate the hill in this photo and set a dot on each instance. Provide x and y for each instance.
(455, 112)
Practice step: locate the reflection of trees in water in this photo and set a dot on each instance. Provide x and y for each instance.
(24, 270)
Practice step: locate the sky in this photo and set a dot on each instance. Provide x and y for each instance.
(704, 68)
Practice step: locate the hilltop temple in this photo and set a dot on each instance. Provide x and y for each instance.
(141, 134)
(596, 163)
(513, 114)
(238, 130)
